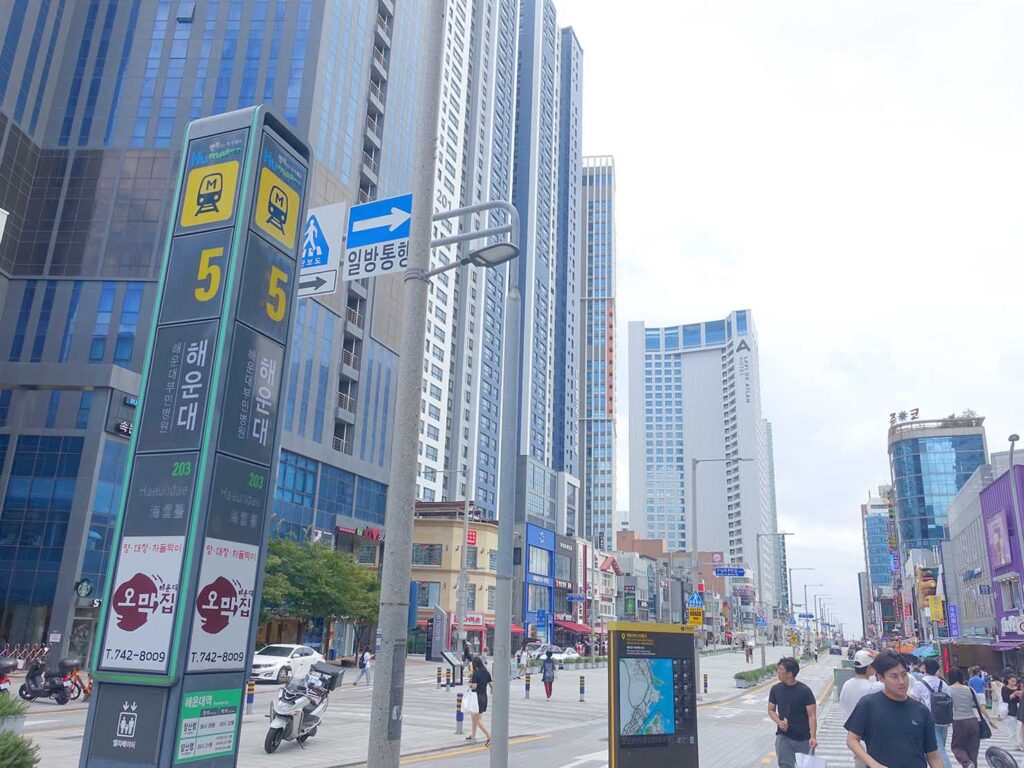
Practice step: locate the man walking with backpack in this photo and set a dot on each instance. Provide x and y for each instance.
(933, 692)
(365, 667)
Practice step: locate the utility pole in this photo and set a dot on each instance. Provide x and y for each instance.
(385, 741)
(506, 527)
(760, 594)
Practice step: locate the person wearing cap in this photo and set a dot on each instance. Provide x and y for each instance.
(862, 683)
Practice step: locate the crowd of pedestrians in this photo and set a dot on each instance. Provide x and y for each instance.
(899, 712)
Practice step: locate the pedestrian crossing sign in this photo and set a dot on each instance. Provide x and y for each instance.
(696, 600)
(760, 621)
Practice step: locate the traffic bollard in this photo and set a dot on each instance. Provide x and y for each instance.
(583, 686)
(439, 677)
(459, 715)
(526, 690)
(448, 679)
(250, 695)
(705, 682)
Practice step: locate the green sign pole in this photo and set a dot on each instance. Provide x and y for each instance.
(183, 584)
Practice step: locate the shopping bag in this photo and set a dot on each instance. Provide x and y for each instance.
(471, 703)
(810, 761)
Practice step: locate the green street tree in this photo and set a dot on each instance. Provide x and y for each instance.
(306, 581)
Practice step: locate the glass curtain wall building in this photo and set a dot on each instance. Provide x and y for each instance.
(597, 398)
(930, 462)
(94, 98)
(548, 170)
(694, 392)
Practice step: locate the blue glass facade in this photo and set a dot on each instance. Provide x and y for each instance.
(103, 511)
(876, 545)
(33, 525)
(927, 473)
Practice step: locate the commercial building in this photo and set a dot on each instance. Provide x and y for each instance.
(94, 98)
(931, 460)
(881, 559)
(533, 586)
(694, 393)
(968, 571)
(1002, 521)
(597, 399)
(438, 541)
(546, 193)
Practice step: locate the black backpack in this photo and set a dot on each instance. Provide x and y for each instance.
(942, 705)
(362, 661)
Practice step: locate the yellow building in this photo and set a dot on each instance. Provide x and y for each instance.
(436, 561)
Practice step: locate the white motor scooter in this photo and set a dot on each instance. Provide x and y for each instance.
(300, 705)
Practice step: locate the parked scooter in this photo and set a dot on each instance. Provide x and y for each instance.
(6, 667)
(300, 705)
(43, 684)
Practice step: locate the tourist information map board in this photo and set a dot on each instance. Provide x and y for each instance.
(652, 696)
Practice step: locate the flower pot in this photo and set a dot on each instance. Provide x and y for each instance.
(743, 683)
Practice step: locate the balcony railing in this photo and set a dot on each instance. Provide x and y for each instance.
(354, 316)
(340, 444)
(385, 25)
(374, 128)
(349, 358)
(347, 402)
(377, 91)
(378, 56)
(370, 162)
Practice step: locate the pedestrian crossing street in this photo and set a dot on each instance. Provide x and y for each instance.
(832, 740)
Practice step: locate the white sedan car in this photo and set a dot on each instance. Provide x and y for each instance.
(280, 662)
(568, 654)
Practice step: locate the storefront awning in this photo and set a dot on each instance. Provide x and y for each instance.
(1006, 645)
(516, 629)
(572, 626)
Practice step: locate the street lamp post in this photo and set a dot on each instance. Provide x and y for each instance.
(818, 610)
(817, 613)
(691, 537)
(384, 746)
(807, 609)
(791, 585)
(760, 594)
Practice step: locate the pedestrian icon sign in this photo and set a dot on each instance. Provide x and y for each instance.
(760, 621)
(696, 600)
(210, 192)
(315, 250)
(277, 206)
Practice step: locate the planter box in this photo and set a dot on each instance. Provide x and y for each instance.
(16, 724)
(744, 683)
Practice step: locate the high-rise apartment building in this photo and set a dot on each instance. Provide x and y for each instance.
(597, 382)
(930, 462)
(778, 543)
(94, 98)
(694, 393)
(546, 192)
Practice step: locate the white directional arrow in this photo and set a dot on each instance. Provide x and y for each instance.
(392, 221)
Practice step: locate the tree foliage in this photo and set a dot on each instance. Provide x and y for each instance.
(305, 581)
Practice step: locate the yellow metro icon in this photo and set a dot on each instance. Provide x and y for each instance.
(210, 192)
(276, 208)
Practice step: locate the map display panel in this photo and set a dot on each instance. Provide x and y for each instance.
(646, 697)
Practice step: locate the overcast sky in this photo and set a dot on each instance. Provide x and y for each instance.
(849, 171)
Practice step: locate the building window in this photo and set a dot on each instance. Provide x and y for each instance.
(492, 560)
(43, 324)
(471, 597)
(536, 597)
(129, 324)
(563, 568)
(427, 555)
(1009, 590)
(540, 561)
(471, 557)
(53, 409)
(371, 500)
(98, 348)
(21, 327)
(490, 598)
(69, 323)
(691, 336)
(366, 554)
(84, 406)
(429, 594)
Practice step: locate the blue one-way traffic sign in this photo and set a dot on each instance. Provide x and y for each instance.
(377, 238)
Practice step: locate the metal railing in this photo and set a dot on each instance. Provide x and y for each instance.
(347, 402)
(354, 316)
(342, 445)
(377, 91)
(378, 56)
(370, 162)
(385, 25)
(351, 359)
(374, 127)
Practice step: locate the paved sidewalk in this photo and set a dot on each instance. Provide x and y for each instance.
(720, 669)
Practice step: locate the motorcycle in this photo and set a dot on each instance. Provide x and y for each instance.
(297, 711)
(41, 683)
(7, 666)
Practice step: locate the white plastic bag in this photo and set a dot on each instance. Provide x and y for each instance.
(471, 703)
(810, 761)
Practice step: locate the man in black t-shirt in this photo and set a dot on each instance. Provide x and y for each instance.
(897, 731)
(792, 708)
